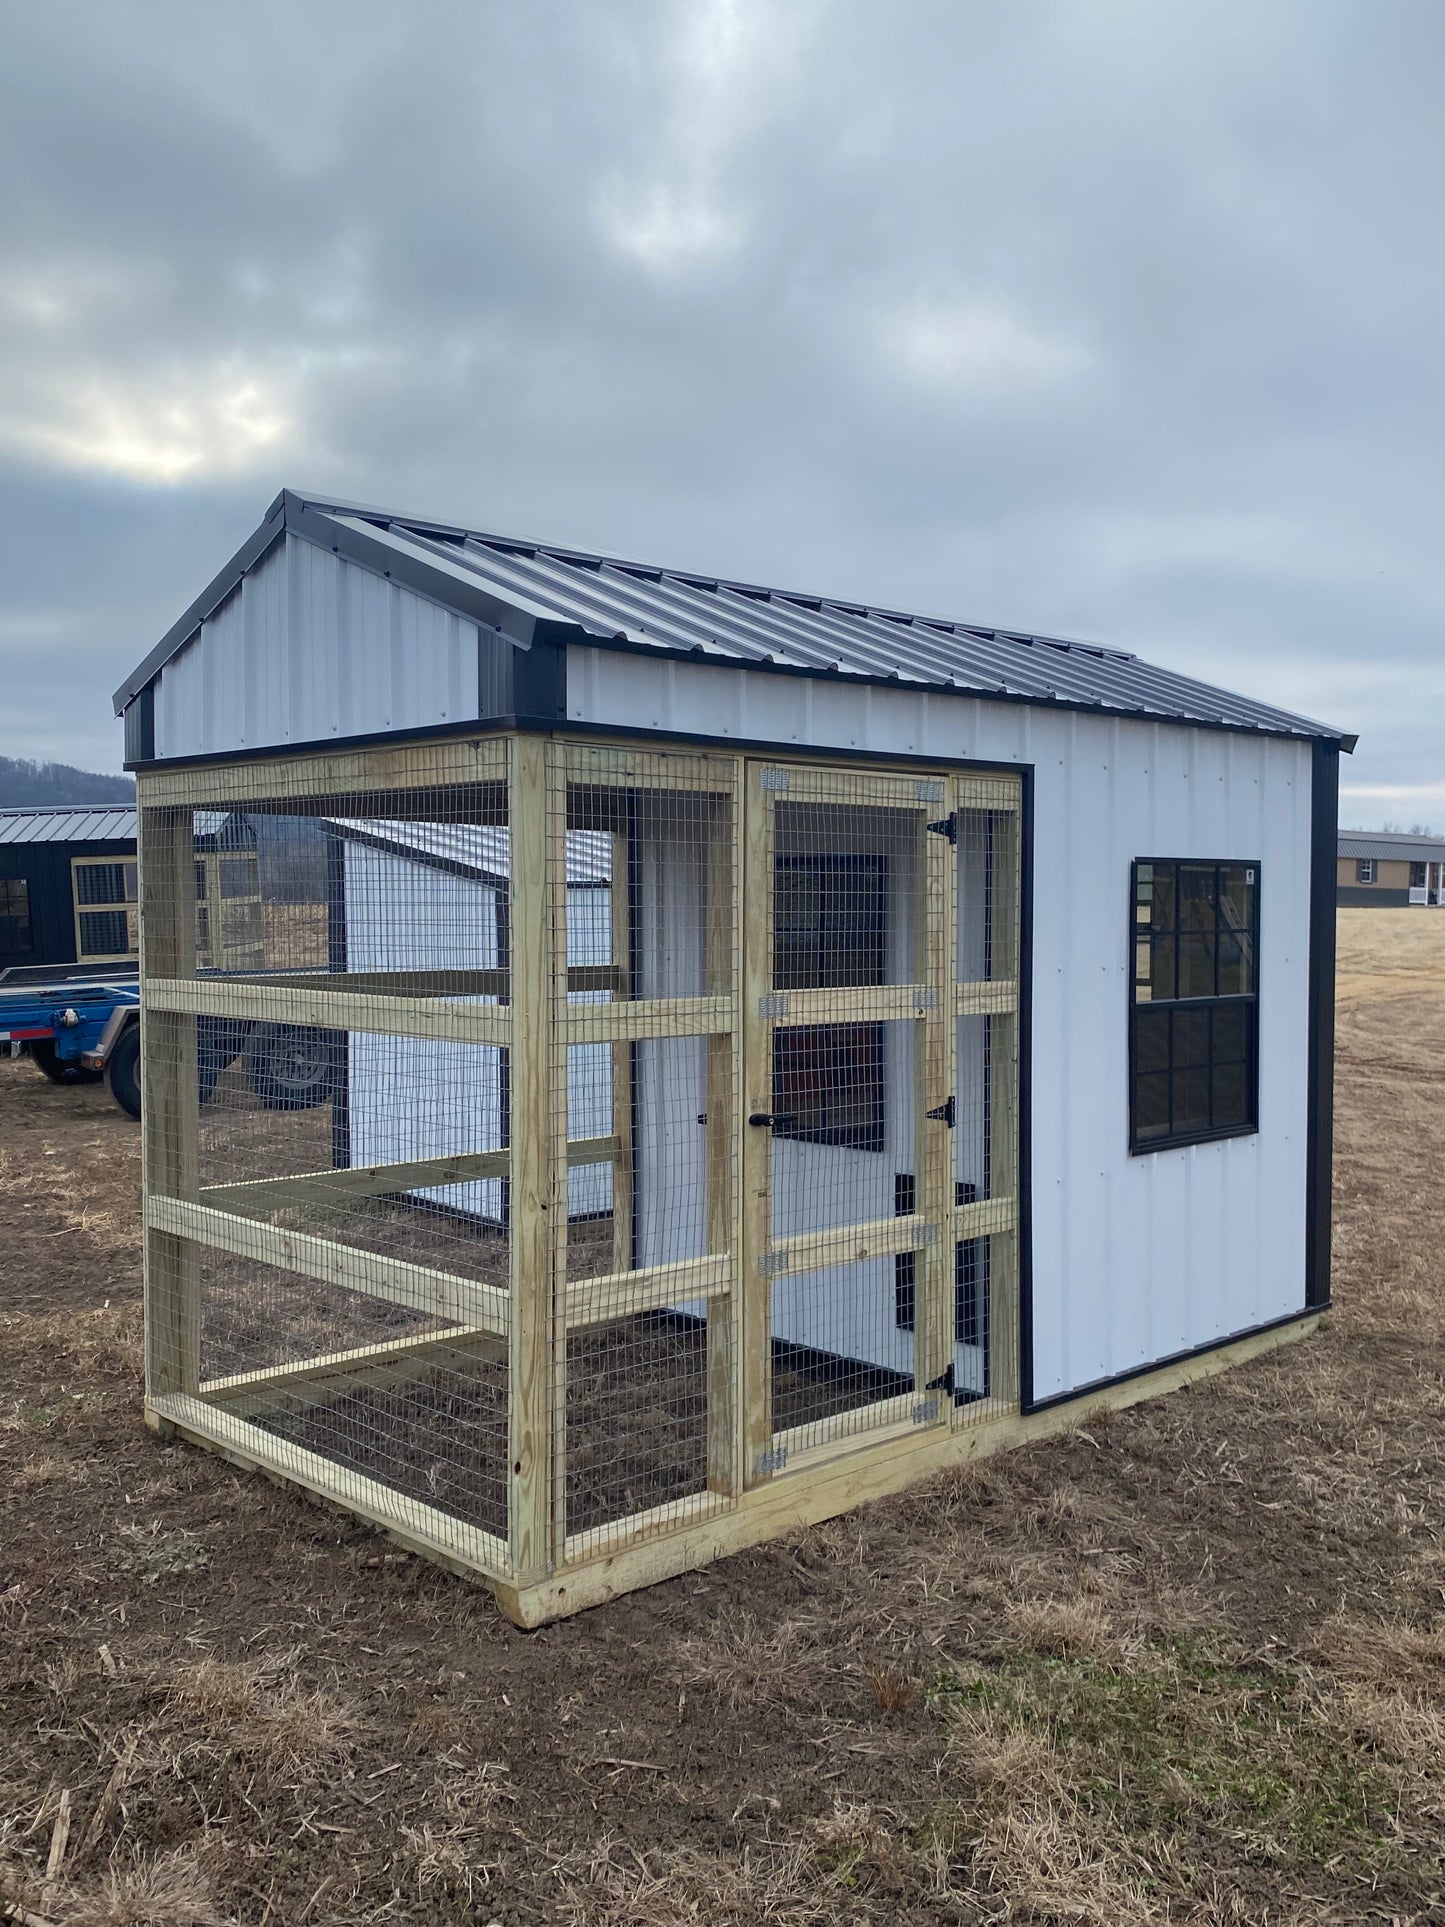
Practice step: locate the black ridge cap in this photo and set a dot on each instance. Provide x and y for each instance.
(311, 517)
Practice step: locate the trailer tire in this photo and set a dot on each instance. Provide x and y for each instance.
(290, 1067)
(57, 1070)
(122, 1070)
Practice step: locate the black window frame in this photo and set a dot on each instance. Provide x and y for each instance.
(1193, 1008)
(1419, 876)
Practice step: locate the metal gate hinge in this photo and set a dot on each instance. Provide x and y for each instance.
(925, 1411)
(773, 1460)
(928, 789)
(774, 779)
(925, 1000)
(775, 1005)
(945, 1113)
(943, 1383)
(772, 1262)
(947, 826)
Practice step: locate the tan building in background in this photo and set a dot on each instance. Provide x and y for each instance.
(1388, 869)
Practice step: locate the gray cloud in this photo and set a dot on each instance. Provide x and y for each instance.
(1119, 320)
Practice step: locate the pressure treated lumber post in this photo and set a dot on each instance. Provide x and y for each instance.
(170, 1117)
(538, 1209)
(935, 1080)
(1003, 1284)
(721, 1113)
(754, 1285)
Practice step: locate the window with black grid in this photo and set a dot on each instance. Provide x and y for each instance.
(1194, 1020)
(14, 914)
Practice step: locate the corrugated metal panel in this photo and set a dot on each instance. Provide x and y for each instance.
(1135, 1258)
(662, 609)
(485, 850)
(1397, 848)
(311, 646)
(322, 644)
(101, 823)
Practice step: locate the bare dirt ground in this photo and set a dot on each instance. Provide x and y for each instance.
(1187, 1663)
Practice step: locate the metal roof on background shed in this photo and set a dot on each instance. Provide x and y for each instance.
(103, 823)
(514, 584)
(1387, 844)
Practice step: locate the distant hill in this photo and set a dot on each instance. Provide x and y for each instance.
(22, 782)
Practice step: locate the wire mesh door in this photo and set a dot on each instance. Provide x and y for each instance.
(848, 1181)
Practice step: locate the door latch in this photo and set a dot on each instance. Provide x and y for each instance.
(770, 1120)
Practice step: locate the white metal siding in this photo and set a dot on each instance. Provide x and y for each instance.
(1134, 1259)
(311, 647)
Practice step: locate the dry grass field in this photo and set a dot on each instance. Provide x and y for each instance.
(1183, 1664)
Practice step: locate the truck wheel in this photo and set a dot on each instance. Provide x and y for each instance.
(289, 1066)
(122, 1070)
(56, 1068)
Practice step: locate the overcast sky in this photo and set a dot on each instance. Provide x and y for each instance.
(1110, 319)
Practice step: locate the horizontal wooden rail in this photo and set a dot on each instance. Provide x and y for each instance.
(649, 1017)
(337, 1187)
(855, 1004)
(464, 1301)
(460, 1023)
(360, 1362)
(851, 1243)
(311, 781)
(623, 1294)
(587, 978)
(425, 1528)
(982, 1219)
(986, 1000)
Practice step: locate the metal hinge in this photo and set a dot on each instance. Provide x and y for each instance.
(943, 1383)
(945, 1113)
(774, 779)
(925, 1000)
(925, 1412)
(774, 1005)
(928, 789)
(947, 826)
(773, 1460)
(772, 1262)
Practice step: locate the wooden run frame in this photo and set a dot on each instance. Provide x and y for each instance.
(757, 1483)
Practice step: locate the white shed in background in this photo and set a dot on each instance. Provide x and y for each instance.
(415, 896)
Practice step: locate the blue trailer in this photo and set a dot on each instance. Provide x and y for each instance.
(77, 1023)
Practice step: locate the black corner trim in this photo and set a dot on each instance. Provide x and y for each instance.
(1025, 1231)
(1320, 1132)
(1079, 1393)
(140, 726)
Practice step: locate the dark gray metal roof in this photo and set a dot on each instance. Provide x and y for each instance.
(97, 823)
(1385, 845)
(514, 584)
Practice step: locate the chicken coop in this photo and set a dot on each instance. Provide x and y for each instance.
(754, 1049)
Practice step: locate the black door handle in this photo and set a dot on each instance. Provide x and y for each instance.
(772, 1119)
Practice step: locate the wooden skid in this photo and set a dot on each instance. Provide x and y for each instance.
(268, 1003)
(421, 1528)
(465, 1301)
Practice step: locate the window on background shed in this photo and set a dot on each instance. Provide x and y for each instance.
(15, 914)
(1194, 1022)
(1417, 876)
(1365, 870)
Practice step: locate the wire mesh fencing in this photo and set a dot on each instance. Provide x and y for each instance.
(529, 1093)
